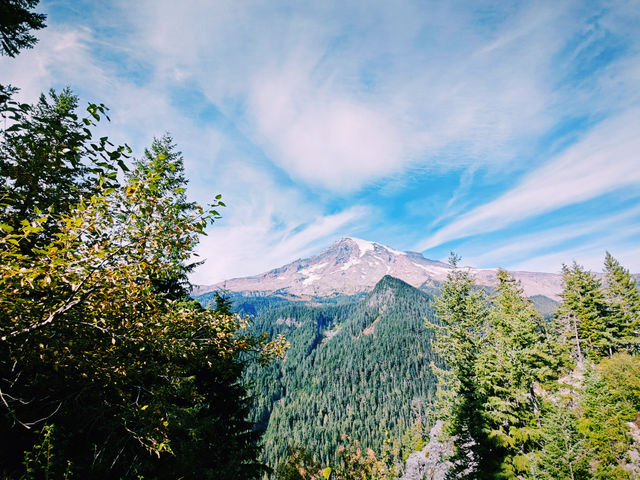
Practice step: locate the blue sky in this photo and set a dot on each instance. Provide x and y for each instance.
(506, 131)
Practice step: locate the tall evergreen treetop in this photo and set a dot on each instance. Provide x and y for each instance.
(623, 299)
(518, 354)
(585, 312)
(463, 311)
(50, 159)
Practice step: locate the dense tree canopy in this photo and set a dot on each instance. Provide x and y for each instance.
(360, 368)
(16, 22)
(97, 336)
(532, 398)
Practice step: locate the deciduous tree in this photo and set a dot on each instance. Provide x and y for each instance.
(136, 379)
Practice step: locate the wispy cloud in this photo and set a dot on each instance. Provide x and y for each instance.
(258, 246)
(339, 104)
(453, 206)
(331, 111)
(320, 136)
(590, 256)
(605, 160)
(600, 233)
(63, 54)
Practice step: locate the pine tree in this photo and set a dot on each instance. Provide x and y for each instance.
(50, 159)
(623, 301)
(519, 353)
(611, 399)
(224, 305)
(462, 309)
(16, 22)
(585, 313)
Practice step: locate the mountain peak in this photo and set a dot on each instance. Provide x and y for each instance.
(353, 265)
(389, 281)
(365, 246)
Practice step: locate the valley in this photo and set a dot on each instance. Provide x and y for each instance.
(360, 358)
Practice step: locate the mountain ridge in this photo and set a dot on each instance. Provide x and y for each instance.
(352, 265)
(361, 369)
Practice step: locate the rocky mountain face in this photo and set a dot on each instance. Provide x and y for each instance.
(352, 266)
(431, 463)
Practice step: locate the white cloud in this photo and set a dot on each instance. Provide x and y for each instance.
(590, 256)
(254, 247)
(320, 136)
(339, 96)
(61, 56)
(516, 248)
(453, 206)
(266, 225)
(302, 80)
(605, 160)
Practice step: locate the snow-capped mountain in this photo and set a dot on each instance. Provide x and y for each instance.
(352, 266)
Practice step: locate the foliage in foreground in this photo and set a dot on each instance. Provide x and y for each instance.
(97, 336)
(530, 398)
(353, 463)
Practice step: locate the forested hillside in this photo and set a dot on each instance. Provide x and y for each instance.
(527, 397)
(361, 369)
(523, 395)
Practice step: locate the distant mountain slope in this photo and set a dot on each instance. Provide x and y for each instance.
(544, 305)
(361, 369)
(352, 266)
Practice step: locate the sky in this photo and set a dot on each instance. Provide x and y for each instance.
(508, 132)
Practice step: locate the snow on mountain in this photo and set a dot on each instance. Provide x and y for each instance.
(352, 265)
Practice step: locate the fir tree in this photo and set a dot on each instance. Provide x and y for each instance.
(518, 354)
(563, 454)
(463, 312)
(16, 23)
(611, 399)
(224, 305)
(623, 301)
(584, 311)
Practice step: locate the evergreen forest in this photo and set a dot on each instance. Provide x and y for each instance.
(361, 369)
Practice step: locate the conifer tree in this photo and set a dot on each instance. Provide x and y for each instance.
(611, 399)
(518, 354)
(16, 22)
(623, 301)
(462, 309)
(563, 454)
(50, 158)
(584, 311)
(223, 303)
